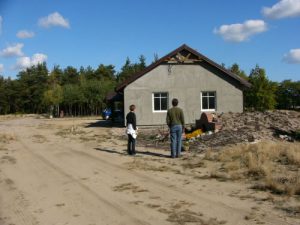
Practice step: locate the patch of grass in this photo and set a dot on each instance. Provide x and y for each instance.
(8, 159)
(143, 165)
(7, 138)
(184, 217)
(292, 211)
(129, 187)
(74, 130)
(39, 138)
(193, 165)
(187, 216)
(273, 165)
(153, 206)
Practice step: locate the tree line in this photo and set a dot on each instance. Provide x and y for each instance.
(81, 92)
(75, 92)
(265, 94)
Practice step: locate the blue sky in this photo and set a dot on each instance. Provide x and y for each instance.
(91, 32)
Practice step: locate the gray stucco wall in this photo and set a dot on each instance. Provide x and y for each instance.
(184, 82)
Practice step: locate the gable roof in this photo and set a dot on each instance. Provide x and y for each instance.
(189, 53)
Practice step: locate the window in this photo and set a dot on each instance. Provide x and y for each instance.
(208, 100)
(160, 102)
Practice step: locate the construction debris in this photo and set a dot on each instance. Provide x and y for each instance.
(237, 128)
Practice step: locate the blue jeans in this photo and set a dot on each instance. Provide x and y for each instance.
(175, 133)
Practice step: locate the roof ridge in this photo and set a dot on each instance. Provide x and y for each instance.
(177, 50)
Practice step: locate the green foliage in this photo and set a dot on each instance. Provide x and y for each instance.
(261, 95)
(236, 70)
(288, 94)
(32, 84)
(129, 69)
(53, 97)
(70, 76)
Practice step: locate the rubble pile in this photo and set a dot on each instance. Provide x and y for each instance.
(250, 127)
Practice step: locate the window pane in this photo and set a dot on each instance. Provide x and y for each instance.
(164, 104)
(204, 103)
(204, 94)
(160, 101)
(156, 104)
(165, 95)
(211, 103)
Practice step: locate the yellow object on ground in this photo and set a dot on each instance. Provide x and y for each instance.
(194, 134)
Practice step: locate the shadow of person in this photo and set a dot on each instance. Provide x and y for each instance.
(153, 154)
(104, 123)
(124, 152)
(113, 151)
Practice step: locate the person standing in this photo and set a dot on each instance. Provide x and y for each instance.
(175, 122)
(131, 130)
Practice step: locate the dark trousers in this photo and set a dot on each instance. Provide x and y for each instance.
(131, 145)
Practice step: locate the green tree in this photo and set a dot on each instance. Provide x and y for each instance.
(105, 73)
(288, 94)
(55, 76)
(53, 97)
(261, 95)
(70, 76)
(86, 73)
(72, 96)
(3, 97)
(155, 58)
(31, 88)
(236, 70)
(129, 69)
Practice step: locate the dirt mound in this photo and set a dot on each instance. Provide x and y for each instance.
(252, 126)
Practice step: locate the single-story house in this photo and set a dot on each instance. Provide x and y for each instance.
(200, 85)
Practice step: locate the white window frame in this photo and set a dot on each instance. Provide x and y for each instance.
(160, 111)
(201, 101)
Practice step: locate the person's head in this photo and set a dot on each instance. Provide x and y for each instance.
(174, 102)
(132, 108)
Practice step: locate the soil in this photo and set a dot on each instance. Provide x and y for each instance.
(77, 171)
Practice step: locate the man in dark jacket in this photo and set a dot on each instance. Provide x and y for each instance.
(175, 121)
(131, 130)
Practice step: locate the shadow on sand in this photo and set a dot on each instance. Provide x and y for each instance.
(104, 123)
(124, 152)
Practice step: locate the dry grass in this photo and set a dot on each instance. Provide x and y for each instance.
(129, 187)
(273, 165)
(7, 138)
(141, 164)
(293, 211)
(73, 130)
(39, 138)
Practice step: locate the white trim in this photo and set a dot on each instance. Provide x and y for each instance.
(208, 110)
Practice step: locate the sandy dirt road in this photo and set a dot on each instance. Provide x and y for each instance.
(58, 172)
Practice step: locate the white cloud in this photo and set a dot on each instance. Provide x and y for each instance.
(13, 50)
(284, 8)
(241, 32)
(1, 20)
(25, 34)
(25, 62)
(38, 58)
(1, 68)
(292, 57)
(54, 19)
